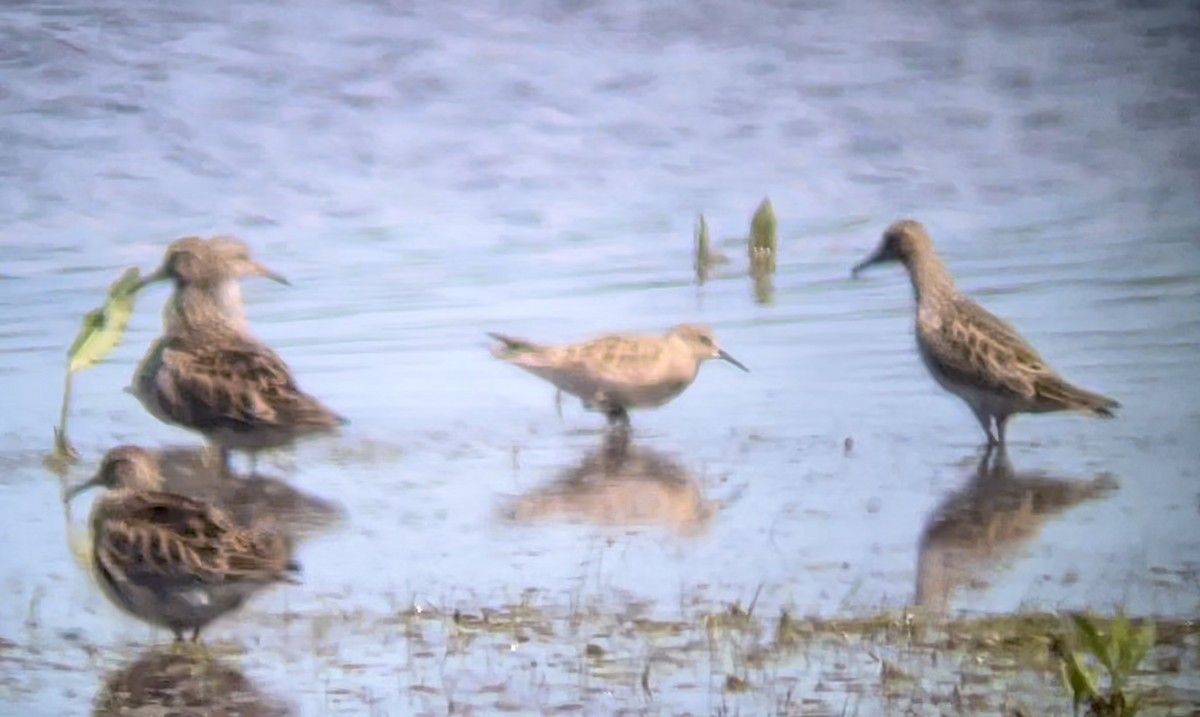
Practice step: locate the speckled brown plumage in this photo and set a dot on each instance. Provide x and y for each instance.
(170, 560)
(972, 353)
(208, 373)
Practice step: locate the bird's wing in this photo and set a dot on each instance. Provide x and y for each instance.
(972, 346)
(175, 540)
(239, 387)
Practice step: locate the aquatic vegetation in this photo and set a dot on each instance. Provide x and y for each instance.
(764, 238)
(102, 331)
(763, 246)
(703, 256)
(535, 652)
(1120, 650)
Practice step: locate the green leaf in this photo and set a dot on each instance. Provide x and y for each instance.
(1118, 645)
(1138, 647)
(1119, 628)
(1079, 679)
(1092, 640)
(103, 328)
(1082, 679)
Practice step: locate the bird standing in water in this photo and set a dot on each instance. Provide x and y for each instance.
(170, 560)
(972, 353)
(617, 372)
(207, 372)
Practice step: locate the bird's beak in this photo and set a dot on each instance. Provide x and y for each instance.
(257, 269)
(721, 353)
(869, 261)
(93, 482)
(879, 256)
(158, 275)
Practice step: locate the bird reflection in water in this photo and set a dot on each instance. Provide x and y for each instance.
(621, 485)
(191, 471)
(169, 682)
(977, 529)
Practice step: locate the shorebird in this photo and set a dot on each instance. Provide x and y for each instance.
(972, 353)
(208, 373)
(174, 561)
(617, 372)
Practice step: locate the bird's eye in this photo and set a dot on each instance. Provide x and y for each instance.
(706, 341)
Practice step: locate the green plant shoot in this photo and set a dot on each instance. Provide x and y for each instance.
(102, 331)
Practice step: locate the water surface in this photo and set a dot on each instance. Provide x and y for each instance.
(426, 172)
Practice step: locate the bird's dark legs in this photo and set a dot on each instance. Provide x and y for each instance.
(226, 469)
(618, 418)
(985, 422)
(1002, 428)
(195, 634)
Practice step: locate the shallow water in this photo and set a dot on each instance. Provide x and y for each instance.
(424, 173)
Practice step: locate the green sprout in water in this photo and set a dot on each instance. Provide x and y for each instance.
(1119, 651)
(763, 246)
(764, 238)
(702, 244)
(705, 256)
(101, 332)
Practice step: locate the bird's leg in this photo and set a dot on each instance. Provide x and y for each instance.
(1001, 465)
(616, 414)
(197, 652)
(226, 469)
(983, 469)
(616, 443)
(618, 418)
(985, 422)
(1002, 428)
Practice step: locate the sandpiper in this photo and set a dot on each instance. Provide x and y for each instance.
(972, 353)
(173, 561)
(208, 373)
(618, 372)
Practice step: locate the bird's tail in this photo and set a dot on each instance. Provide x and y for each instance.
(1073, 398)
(316, 416)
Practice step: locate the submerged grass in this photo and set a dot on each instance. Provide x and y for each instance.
(546, 657)
(892, 662)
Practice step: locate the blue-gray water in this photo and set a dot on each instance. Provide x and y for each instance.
(426, 172)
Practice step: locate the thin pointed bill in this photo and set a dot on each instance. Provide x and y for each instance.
(93, 482)
(864, 264)
(723, 354)
(260, 270)
(148, 279)
(881, 255)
